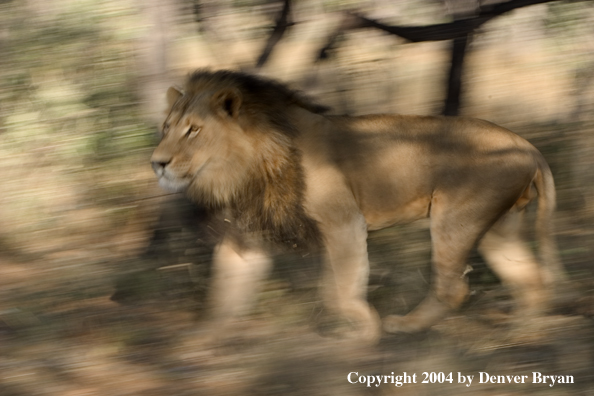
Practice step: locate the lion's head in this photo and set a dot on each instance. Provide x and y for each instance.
(227, 141)
(203, 150)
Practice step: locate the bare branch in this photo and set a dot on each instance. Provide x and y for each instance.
(442, 31)
(282, 23)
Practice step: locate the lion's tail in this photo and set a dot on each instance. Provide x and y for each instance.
(549, 256)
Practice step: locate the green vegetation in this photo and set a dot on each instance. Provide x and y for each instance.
(69, 118)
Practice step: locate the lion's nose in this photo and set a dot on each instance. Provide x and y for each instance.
(159, 166)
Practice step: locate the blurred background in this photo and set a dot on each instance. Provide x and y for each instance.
(103, 275)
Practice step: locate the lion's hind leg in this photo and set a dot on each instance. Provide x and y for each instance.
(455, 229)
(514, 263)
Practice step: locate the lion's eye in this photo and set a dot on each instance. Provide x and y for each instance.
(165, 128)
(193, 131)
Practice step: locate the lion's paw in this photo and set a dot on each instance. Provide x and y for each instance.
(398, 324)
(369, 334)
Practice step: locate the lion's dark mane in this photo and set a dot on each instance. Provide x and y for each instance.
(271, 201)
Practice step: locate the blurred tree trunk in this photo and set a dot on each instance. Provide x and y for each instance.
(459, 9)
(454, 84)
(152, 63)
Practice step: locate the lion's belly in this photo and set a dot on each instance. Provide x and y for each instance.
(388, 193)
(385, 216)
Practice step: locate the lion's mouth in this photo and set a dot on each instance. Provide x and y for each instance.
(173, 184)
(177, 184)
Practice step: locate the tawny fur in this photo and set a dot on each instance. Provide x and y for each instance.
(283, 171)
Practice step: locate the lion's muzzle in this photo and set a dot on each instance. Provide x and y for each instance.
(159, 167)
(167, 179)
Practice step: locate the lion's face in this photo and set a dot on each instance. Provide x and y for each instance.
(203, 150)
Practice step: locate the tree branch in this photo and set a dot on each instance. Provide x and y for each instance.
(437, 32)
(282, 23)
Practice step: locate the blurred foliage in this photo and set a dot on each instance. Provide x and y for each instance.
(569, 19)
(70, 117)
(69, 73)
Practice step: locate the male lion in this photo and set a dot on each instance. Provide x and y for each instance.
(282, 171)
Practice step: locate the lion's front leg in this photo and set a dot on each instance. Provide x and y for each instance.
(237, 273)
(346, 275)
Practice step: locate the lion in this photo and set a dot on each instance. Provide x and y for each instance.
(281, 171)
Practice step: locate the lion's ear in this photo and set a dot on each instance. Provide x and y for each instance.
(173, 94)
(227, 101)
